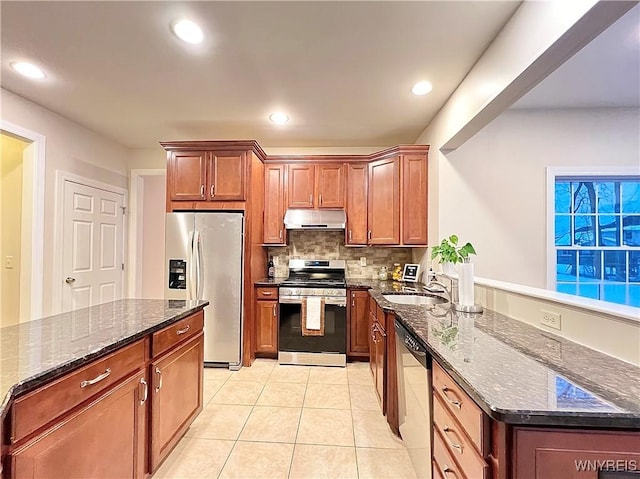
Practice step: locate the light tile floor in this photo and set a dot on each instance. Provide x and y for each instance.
(270, 421)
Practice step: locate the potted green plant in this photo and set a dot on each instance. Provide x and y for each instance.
(449, 253)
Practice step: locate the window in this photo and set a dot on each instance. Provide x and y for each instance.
(596, 237)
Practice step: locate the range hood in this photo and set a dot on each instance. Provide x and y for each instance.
(307, 219)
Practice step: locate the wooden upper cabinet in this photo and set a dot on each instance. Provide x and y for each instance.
(226, 178)
(356, 208)
(274, 204)
(187, 175)
(414, 200)
(330, 186)
(300, 187)
(316, 186)
(384, 202)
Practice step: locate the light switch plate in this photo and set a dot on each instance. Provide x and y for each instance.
(8, 262)
(363, 260)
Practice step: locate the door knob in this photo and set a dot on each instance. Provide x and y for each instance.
(70, 280)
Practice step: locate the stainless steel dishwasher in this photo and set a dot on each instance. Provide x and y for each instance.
(414, 399)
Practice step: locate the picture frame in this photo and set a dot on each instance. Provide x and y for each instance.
(411, 272)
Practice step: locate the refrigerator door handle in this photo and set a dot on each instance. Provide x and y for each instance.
(191, 266)
(198, 268)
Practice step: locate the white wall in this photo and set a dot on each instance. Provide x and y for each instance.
(493, 188)
(153, 219)
(69, 147)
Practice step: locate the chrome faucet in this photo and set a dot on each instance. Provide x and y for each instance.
(433, 282)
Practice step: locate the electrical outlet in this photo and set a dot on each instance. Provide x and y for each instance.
(363, 260)
(550, 319)
(8, 262)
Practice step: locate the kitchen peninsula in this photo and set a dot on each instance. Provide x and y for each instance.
(105, 391)
(510, 400)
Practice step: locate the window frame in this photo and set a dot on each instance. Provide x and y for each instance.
(552, 173)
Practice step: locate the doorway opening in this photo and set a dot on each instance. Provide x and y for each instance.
(21, 224)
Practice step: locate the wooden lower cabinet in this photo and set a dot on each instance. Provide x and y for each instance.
(104, 439)
(550, 453)
(358, 319)
(176, 396)
(266, 329)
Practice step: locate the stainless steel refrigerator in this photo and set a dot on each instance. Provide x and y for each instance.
(203, 260)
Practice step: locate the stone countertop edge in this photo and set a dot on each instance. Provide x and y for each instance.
(623, 419)
(33, 382)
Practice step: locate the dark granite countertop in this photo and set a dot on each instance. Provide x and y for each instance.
(37, 351)
(520, 374)
(270, 281)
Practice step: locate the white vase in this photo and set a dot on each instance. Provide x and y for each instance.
(448, 269)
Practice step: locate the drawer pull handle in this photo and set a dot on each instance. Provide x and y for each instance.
(97, 379)
(455, 403)
(202, 191)
(447, 470)
(266, 293)
(183, 330)
(145, 394)
(281, 234)
(447, 430)
(159, 386)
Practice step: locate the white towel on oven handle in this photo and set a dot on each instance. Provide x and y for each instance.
(314, 304)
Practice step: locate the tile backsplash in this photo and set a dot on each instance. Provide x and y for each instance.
(314, 244)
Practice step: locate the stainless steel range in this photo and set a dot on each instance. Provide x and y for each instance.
(313, 314)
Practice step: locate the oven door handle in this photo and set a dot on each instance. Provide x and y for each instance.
(327, 301)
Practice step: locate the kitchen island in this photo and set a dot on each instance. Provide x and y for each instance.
(79, 388)
(510, 400)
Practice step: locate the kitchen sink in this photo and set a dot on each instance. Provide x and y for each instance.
(415, 299)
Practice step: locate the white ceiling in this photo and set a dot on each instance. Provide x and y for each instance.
(343, 71)
(605, 73)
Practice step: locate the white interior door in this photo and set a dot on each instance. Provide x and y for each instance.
(93, 257)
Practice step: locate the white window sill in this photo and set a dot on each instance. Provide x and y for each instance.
(613, 309)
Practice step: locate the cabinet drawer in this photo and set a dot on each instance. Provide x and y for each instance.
(34, 410)
(168, 337)
(443, 463)
(462, 407)
(266, 293)
(456, 441)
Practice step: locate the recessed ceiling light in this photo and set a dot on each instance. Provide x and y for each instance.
(188, 31)
(279, 118)
(422, 88)
(28, 70)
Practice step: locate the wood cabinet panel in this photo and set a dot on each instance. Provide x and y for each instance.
(462, 407)
(35, 409)
(187, 175)
(104, 439)
(300, 186)
(176, 396)
(550, 453)
(274, 206)
(358, 342)
(227, 176)
(356, 207)
(414, 199)
(384, 202)
(266, 330)
(168, 337)
(329, 186)
(457, 442)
